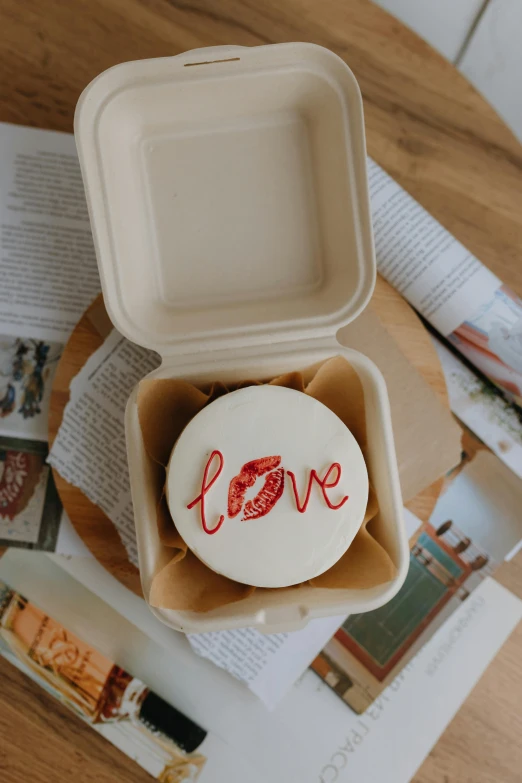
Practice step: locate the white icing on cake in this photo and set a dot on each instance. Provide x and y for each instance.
(282, 546)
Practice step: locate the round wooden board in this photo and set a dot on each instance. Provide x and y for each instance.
(97, 531)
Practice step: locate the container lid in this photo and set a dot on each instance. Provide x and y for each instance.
(228, 196)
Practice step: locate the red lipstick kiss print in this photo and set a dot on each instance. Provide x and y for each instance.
(267, 496)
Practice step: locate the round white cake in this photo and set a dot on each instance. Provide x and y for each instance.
(267, 486)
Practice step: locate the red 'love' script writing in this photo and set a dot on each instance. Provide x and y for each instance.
(270, 492)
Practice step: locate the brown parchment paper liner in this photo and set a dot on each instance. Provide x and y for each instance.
(182, 582)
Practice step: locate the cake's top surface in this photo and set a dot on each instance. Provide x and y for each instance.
(267, 486)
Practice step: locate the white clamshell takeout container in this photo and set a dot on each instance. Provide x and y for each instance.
(229, 204)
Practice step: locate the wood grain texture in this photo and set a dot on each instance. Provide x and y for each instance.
(444, 24)
(41, 741)
(426, 126)
(97, 531)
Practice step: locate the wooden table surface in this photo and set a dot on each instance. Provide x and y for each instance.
(427, 127)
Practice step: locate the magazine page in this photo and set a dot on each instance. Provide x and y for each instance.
(474, 527)
(446, 284)
(421, 700)
(48, 276)
(48, 269)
